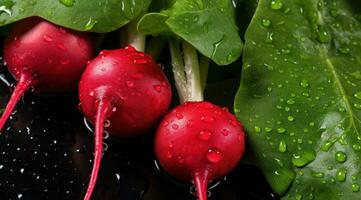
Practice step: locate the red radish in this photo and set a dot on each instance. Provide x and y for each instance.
(46, 57)
(125, 91)
(199, 142)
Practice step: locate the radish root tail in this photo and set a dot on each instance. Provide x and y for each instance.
(25, 82)
(102, 114)
(201, 183)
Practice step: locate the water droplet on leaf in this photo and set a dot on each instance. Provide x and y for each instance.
(341, 174)
(340, 156)
(281, 130)
(282, 147)
(355, 187)
(304, 83)
(257, 129)
(67, 3)
(357, 95)
(276, 4)
(90, 24)
(290, 118)
(323, 36)
(357, 106)
(317, 174)
(266, 22)
(303, 158)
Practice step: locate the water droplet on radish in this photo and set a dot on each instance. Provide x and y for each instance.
(140, 61)
(157, 88)
(208, 119)
(175, 126)
(64, 62)
(130, 48)
(190, 123)
(169, 155)
(17, 42)
(225, 132)
(137, 75)
(91, 93)
(205, 135)
(206, 105)
(62, 30)
(217, 112)
(180, 159)
(60, 46)
(165, 123)
(179, 116)
(129, 84)
(214, 155)
(47, 38)
(234, 123)
(114, 109)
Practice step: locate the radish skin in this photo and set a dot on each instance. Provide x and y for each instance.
(199, 142)
(45, 57)
(126, 88)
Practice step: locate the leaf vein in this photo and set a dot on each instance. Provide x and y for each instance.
(341, 89)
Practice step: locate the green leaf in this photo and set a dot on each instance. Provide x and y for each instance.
(300, 97)
(207, 25)
(153, 24)
(82, 15)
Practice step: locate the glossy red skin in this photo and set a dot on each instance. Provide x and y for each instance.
(129, 80)
(55, 56)
(182, 153)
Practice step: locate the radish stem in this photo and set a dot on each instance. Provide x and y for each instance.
(186, 71)
(135, 38)
(102, 113)
(191, 65)
(201, 182)
(25, 82)
(178, 70)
